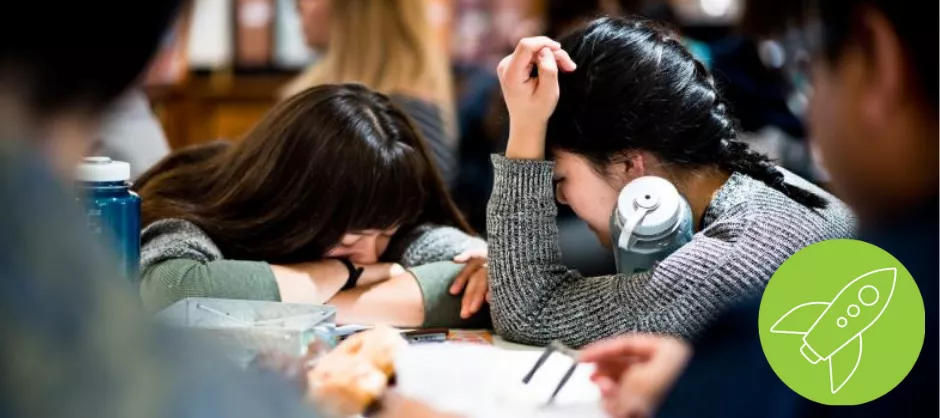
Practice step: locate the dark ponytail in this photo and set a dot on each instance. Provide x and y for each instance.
(638, 88)
(740, 158)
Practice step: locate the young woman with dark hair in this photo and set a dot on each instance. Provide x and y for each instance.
(333, 180)
(631, 101)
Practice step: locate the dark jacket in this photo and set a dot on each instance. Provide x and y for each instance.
(730, 377)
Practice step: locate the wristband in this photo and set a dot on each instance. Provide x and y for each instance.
(354, 274)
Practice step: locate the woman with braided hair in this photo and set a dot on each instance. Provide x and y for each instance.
(613, 101)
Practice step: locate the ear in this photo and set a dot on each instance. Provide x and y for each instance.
(634, 165)
(885, 62)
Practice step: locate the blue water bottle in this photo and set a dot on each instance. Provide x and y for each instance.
(650, 221)
(112, 210)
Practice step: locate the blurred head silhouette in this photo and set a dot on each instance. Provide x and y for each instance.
(870, 73)
(52, 92)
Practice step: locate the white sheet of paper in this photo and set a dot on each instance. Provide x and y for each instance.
(485, 381)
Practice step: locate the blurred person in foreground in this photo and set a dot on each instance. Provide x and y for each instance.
(76, 343)
(873, 115)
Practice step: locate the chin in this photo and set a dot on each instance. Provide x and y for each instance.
(603, 238)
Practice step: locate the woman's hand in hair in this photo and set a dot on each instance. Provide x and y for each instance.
(472, 281)
(531, 100)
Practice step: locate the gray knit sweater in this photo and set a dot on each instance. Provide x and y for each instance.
(179, 260)
(748, 230)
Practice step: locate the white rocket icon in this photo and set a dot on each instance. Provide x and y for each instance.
(836, 334)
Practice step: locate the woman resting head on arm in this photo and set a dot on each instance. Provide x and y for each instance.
(633, 102)
(392, 47)
(335, 172)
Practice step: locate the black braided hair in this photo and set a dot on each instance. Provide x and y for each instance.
(638, 88)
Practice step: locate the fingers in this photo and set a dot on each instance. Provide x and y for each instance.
(606, 386)
(613, 368)
(473, 297)
(548, 67)
(525, 53)
(503, 65)
(461, 281)
(468, 298)
(565, 63)
(477, 253)
(634, 345)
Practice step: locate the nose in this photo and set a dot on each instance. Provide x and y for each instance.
(560, 195)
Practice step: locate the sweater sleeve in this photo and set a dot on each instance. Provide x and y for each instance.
(178, 260)
(172, 280)
(441, 309)
(536, 299)
(438, 243)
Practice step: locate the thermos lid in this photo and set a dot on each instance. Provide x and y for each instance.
(102, 169)
(658, 197)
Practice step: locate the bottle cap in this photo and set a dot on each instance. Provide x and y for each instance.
(658, 197)
(102, 169)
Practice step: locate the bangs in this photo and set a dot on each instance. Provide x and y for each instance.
(391, 193)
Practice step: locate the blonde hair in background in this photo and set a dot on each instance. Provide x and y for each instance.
(388, 45)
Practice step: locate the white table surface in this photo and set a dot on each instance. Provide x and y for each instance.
(479, 380)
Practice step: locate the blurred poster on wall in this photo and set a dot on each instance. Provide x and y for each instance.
(254, 33)
(169, 66)
(209, 44)
(290, 46)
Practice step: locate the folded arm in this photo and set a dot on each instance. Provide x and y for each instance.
(180, 261)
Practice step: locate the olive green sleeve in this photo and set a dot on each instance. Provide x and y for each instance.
(168, 281)
(441, 309)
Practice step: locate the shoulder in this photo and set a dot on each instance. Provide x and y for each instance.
(751, 230)
(424, 112)
(176, 238)
(178, 228)
(436, 235)
(770, 213)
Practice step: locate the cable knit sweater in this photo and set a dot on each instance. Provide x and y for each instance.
(748, 230)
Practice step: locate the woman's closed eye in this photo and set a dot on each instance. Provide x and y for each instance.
(350, 240)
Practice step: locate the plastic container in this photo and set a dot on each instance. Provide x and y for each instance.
(246, 328)
(112, 210)
(650, 221)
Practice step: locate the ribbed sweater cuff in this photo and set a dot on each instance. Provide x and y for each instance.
(520, 181)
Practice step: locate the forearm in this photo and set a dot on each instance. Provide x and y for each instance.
(319, 281)
(396, 301)
(417, 298)
(535, 298)
(171, 280)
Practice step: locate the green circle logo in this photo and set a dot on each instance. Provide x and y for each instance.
(842, 322)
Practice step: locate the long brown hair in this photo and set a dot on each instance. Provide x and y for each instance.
(390, 46)
(330, 160)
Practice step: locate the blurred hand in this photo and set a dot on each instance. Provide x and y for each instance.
(531, 100)
(397, 406)
(472, 281)
(635, 372)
